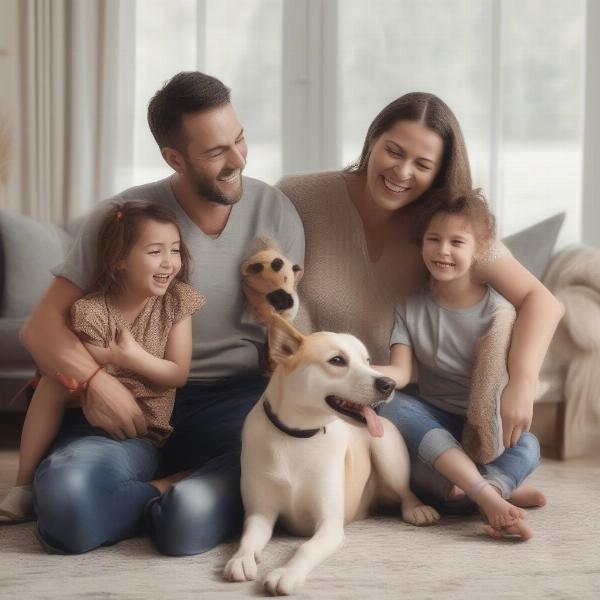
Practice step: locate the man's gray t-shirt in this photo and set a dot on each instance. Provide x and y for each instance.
(223, 327)
(444, 342)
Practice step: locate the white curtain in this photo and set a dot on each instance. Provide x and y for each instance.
(75, 124)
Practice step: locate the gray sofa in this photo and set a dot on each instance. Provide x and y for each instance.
(29, 249)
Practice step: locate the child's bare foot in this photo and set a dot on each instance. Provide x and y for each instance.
(498, 512)
(162, 485)
(520, 529)
(527, 496)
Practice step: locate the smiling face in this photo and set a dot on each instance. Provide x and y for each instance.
(153, 261)
(215, 154)
(449, 247)
(328, 374)
(403, 164)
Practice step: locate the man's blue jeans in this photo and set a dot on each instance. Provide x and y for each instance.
(91, 490)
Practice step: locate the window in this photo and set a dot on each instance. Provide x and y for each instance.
(541, 107)
(511, 71)
(238, 42)
(308, 76)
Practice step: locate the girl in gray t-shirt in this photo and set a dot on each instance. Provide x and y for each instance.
(439, 329)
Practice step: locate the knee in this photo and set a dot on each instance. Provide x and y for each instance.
(65, 503)
(196, 515)
(530, 447)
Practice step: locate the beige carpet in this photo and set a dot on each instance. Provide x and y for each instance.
(381, 558)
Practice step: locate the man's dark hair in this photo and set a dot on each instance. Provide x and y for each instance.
(187, 92)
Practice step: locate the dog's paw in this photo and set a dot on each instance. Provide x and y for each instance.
(282, 581)
(421, 514)
(241, 568)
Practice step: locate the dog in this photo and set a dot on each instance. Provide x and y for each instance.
(315, 455)
(270, 280)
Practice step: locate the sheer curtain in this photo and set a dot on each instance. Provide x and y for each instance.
(73, 127)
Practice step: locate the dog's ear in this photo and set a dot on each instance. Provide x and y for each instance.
(284, 339)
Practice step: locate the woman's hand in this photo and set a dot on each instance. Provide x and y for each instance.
(516, 410)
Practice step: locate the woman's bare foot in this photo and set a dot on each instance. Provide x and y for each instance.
(527, 496)
(162, 485)
(520, 529)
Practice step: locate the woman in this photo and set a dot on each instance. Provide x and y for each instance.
(360, 257)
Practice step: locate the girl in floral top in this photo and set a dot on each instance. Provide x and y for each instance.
(135, 322)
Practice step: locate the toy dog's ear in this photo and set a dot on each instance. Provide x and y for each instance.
(284, 339)
(298, 272)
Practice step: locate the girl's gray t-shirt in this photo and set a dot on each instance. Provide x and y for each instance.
(444, 342)
(224, 332)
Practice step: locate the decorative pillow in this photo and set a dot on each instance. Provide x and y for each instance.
(533, 246)
(29, 250)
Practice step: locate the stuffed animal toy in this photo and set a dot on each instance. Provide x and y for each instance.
(270, 282)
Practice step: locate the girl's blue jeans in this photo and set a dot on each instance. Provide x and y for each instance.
(429, 432)
(92, 491)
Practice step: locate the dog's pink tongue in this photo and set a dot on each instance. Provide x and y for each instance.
(374, 424)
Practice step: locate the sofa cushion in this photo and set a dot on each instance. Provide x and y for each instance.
(533, 246)
(29, 250)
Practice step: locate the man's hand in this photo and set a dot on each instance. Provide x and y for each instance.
(109, 405)
(516, 410)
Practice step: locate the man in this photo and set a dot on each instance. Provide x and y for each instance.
(93, 489)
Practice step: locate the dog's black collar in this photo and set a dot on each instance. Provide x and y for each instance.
(297, 433)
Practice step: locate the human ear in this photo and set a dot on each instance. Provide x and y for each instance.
(174, 159)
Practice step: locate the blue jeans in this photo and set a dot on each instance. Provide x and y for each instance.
(204, 509)
(91, 490)
(429, 432)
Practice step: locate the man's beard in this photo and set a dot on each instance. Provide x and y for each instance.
(213, 194)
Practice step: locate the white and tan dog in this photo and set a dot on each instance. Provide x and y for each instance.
(315, 455)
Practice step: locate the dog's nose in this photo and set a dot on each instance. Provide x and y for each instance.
(280, 300)
(385, 385)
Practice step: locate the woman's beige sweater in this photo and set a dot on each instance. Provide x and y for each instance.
(342, 290)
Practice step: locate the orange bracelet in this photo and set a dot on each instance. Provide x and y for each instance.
(75, 386)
